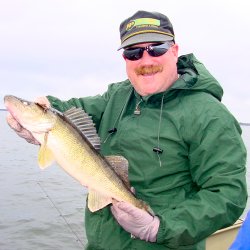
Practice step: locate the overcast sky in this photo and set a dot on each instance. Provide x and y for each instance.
(68, 48)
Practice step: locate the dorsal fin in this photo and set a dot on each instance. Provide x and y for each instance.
(120, 166)
(84, 124)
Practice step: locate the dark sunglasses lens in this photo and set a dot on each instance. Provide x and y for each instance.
(133, 54)
(158, 50)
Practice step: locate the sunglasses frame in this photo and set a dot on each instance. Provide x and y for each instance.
(154, 50)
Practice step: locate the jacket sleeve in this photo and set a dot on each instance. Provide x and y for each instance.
(93, 105)
(217, 158)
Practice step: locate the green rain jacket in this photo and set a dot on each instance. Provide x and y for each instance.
(197, 184)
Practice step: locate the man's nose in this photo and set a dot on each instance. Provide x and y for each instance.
(146, 56)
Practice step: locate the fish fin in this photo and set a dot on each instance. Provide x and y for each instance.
(45, 155)
(96, 201)
(120, 166)
(84, 123)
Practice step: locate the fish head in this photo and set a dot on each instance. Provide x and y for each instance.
(30, 115)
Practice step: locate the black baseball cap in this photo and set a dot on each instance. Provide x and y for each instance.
(145, 26)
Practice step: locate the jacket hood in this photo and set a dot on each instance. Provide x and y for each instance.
(194, 76)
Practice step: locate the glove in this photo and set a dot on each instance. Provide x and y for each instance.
(136, 221)
(43, 101)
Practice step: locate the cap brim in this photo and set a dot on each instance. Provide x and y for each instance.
(145, 38)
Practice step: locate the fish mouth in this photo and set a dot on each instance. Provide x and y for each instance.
(9, 108)
(10, 103)
(7, 101)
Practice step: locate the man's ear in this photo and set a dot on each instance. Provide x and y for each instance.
(175, 50)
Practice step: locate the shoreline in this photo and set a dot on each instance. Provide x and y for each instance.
(244, 123)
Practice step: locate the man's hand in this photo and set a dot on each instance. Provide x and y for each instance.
(136, 221)
(43, 101)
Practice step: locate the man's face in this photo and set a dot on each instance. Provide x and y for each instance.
(150, 75)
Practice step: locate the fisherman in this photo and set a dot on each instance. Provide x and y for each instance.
(184, 148)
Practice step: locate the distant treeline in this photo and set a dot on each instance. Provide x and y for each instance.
(244, 124)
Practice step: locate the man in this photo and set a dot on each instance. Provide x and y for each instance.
(186, 156)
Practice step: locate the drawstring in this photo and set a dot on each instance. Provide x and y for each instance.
(113, 130)
(137, 108)
(157, 149)
(137, 111)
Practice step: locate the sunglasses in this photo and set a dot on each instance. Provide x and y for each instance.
(154, 50)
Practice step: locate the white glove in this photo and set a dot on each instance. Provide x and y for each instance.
(136, 221)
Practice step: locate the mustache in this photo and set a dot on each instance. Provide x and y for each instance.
(150, 69)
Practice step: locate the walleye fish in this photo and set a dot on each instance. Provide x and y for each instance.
(71, 140)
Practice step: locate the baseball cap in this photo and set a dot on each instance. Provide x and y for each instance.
(145, 26)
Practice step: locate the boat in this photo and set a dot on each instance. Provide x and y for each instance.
(223, 238)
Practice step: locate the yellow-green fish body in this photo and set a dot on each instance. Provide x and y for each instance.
(71, 140)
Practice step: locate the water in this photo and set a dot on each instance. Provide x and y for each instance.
(43, 209)
(38, 209)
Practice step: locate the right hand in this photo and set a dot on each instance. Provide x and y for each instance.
(21, 131)
(43, 101)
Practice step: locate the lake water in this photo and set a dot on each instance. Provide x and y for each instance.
(43, 209)
(38, 209)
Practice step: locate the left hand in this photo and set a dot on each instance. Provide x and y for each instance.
(136, 221)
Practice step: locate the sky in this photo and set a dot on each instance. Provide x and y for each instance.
(68, 48)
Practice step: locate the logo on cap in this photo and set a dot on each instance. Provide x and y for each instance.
(143, 22)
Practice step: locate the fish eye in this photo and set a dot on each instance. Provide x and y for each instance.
(25, 103)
